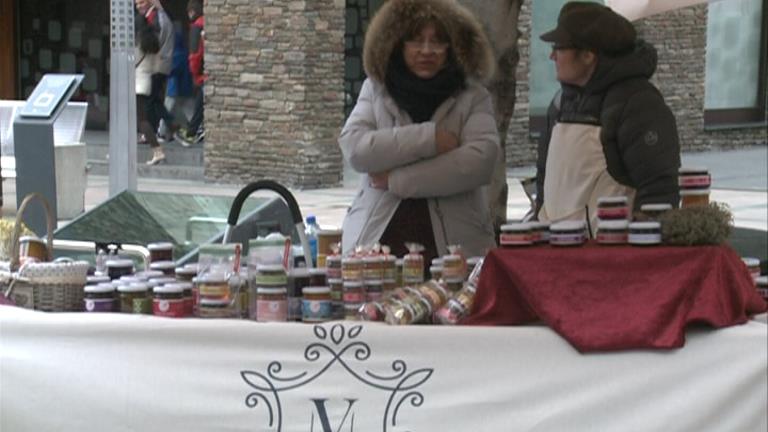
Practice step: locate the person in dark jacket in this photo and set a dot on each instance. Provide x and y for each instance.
(609, 131)
(194, 132)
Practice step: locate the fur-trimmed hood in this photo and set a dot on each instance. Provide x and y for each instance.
(388, 28)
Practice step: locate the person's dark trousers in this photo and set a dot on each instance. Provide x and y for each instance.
(157, 108)
(197, 118)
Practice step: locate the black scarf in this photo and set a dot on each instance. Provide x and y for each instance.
(421, 97)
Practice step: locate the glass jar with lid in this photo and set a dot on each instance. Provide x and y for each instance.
(99, 297)
(316, 304)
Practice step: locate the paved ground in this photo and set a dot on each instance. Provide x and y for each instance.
(739, 179)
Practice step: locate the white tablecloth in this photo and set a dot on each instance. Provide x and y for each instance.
(112, 372)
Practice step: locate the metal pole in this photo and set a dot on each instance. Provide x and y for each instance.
(122, 100)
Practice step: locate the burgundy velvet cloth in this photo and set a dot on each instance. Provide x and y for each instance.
(603, 298)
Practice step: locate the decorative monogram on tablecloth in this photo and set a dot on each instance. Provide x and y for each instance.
(338, 347)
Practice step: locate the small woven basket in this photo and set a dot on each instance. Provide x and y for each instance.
(46, 286)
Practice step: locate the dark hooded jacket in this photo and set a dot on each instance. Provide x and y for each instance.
(639, 133)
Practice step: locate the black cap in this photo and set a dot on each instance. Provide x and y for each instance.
(592, 26)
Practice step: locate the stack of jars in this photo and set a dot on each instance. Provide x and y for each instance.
(694, 185)
(613, 220)
(317, 303)
(220, 287)
(268, 293)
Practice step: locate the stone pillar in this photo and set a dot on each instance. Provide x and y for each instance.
(275, 96)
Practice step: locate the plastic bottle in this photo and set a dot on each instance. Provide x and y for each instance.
(311, 233)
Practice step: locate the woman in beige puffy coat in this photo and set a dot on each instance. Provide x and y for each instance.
(423, 131)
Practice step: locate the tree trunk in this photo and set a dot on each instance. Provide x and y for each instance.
(499, 18)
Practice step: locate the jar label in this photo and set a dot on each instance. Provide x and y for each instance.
(316, 310)
(692, 181)
(612, 237)
(612, 212)
(516, 239)
(354, 296)
(271, 310)
(168, 308)
(142, 305)
(99, 305)
(218, 290)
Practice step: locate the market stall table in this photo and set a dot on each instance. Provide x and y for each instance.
(616, 297)
(118, 372)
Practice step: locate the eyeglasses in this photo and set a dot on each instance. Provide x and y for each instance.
(427, 46)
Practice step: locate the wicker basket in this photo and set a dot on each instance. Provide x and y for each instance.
(46, 286)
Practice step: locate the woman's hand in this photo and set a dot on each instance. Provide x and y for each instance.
(379, 180)
(445, 141)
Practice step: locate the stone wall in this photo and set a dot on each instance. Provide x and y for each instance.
(275, 96)
(680, 38)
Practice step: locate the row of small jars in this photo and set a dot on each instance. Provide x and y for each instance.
(150, 292)
(575, 233)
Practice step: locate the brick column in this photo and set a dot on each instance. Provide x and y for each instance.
(275, 96)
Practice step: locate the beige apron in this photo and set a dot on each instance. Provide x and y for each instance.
(577, 175)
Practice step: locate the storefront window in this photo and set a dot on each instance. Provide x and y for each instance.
(735, 63)
(63, 36)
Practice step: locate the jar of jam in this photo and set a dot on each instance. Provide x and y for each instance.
(317, 277)
(298, 278)
(568, 233)
(352, 268)
(333, 266)
(753, 266)
(516, 234)
(644, 233)
(540, 232)
(134, 298)
(390, 267)
(32, 249)
(351, 311)
(168, 268)
(694, 197)
(457, 307)
(434, 293)
(399, 271)
(694, 178)
(762, 286)
(96, 279)
(99, 298)
(189, 303)
(213, 308)
(453, 285)
(271, 275)
(354, 292)
(337, 297)
(413, 268)
(168, 301)
(271, 304)
(654, 212)
(473, 261)
(316, 304)
(185, 274)
(214, 286)
(612, 232)
(436, 272)
(612, 208)
(453, 267)
(374, 290)
(373, 267)
(373, 311)
(119, 267)
(160, 251)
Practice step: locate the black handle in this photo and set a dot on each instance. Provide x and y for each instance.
(237, 204)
